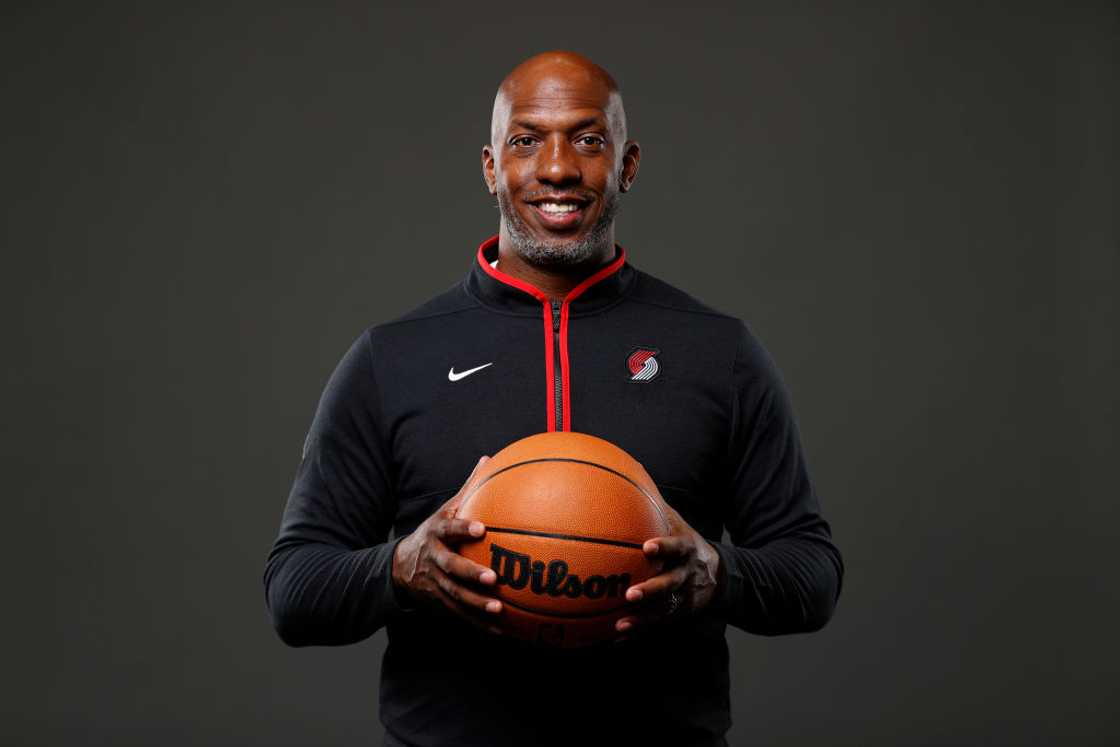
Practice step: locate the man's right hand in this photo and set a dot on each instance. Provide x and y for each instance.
(427, 569)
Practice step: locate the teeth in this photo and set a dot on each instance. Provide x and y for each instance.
(557, 207)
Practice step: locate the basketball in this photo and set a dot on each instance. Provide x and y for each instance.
(566, 515)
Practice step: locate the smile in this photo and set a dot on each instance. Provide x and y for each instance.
(558, 215)
(557, 207)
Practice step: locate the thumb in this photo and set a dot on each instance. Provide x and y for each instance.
(672, 516)
(472, 479)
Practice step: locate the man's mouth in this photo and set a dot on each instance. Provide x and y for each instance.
(559, 213)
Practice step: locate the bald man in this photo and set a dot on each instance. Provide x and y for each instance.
(414, 403)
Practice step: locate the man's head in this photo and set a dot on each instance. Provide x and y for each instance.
(558, 158)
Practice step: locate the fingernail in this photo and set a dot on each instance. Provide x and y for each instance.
(651, 547)
(623, 626)
(493, 607)
(495, 630)
(633, 595)
(488, 577)
(476, 528)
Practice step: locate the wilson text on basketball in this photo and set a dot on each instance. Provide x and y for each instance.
(518, 570)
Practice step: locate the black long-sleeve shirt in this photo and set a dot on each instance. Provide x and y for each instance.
(396, 433)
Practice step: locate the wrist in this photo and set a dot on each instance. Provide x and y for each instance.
(716, 574)
(396, 565)
(398, 582)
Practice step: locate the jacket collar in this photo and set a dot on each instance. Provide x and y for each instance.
(503, 292)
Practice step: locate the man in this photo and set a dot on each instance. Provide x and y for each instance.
(414, 403)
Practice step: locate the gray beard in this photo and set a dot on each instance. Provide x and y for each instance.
(557, 253)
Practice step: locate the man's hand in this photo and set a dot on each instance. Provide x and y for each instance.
(687, 583)
(428, 570)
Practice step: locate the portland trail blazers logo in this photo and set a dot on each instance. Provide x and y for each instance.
(643, 365)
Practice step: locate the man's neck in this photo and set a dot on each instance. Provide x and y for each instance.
(554, 282)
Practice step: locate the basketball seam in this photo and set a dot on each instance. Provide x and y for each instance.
(650, 498)
(558, 535)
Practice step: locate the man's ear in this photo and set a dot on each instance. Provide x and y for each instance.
(631, 157)
(488, 169)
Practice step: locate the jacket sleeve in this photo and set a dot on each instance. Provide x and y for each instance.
(328, 578)
(781, 573)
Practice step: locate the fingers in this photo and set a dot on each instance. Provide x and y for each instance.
(468, 484)
(658, 586)
(668, 548)
(454, 564)
(474, 476)
(467, 597)
(455, 572)
(453, 531)
(452, 573)
(655, 610)
(633, 622)
(652, 600)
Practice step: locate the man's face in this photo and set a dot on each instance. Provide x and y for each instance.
(555, 162)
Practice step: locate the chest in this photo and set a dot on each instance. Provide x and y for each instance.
(659, 391)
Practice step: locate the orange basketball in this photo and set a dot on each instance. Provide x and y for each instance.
(566, 515)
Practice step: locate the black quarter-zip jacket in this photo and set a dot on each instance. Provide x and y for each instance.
(686, 390)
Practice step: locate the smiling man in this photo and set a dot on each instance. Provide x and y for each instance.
(558, 132)
(685, 389)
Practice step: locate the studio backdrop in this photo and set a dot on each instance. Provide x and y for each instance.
(912, 205)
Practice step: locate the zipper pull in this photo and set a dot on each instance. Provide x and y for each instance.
(555, 316)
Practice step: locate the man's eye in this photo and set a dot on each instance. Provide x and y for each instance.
(591, 140)
(521, 140)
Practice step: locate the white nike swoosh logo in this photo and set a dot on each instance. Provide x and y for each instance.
(452, 376)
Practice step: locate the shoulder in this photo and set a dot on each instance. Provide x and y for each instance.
(454, 300)
(653, 291)
(431, 315)
(745, 352)
(681, 309)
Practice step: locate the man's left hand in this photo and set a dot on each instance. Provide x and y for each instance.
(686, 584)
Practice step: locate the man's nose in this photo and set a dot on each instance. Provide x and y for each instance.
(558, 164)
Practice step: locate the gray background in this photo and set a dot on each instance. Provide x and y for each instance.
(912, 204)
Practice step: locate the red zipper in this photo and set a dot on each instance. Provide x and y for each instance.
(559, 383)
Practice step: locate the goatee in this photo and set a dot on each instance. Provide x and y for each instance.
(557, 253)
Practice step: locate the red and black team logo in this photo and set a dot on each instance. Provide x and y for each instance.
(643, 365)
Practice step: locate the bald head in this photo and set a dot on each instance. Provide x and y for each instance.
(551, 76)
